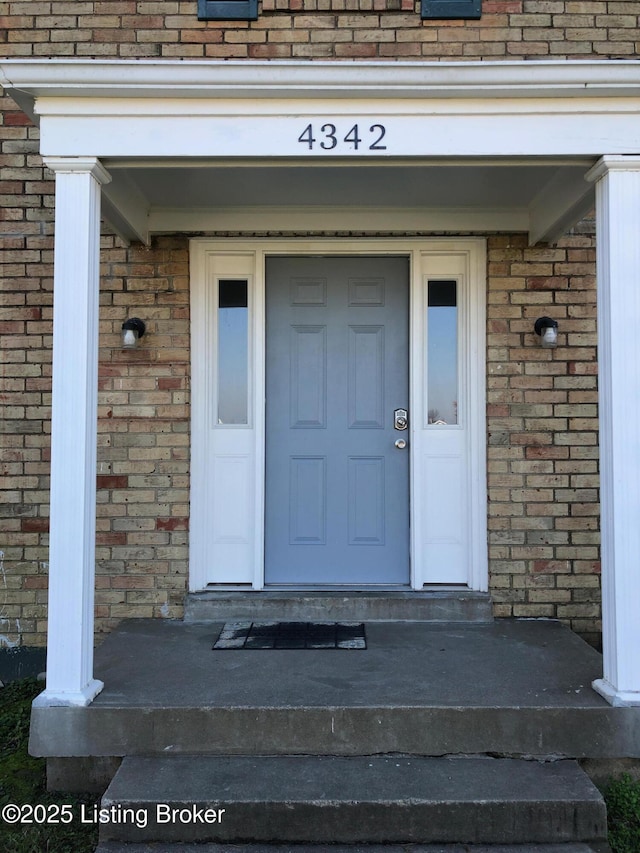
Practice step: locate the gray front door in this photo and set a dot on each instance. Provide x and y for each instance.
(337, 488)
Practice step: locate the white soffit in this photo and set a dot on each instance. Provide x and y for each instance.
(542, 198)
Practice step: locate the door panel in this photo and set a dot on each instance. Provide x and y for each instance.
(366, 500)
(308, 389)
(365, 394)
(307, 500)
(337, 489)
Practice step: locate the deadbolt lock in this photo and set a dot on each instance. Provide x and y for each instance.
(400, 419)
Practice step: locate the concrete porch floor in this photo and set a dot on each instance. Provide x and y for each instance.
(503, 688)
(525, 663)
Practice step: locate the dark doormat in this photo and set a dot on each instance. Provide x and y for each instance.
(291, 635)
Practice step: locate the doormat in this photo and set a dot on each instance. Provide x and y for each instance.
(291, 635)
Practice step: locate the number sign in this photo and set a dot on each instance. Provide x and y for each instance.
(329, 137)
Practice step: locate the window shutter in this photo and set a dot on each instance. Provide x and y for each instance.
(448, 9)
(227, 10)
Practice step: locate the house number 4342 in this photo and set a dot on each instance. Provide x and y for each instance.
(328, 136)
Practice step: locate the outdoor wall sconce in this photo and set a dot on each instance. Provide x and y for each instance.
(548, 331)
(132, 331)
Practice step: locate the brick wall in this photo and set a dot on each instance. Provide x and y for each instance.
(143, 433)
(26, 271)
(323, 29)
(543, 432)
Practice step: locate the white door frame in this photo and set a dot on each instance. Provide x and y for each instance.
(227, 468)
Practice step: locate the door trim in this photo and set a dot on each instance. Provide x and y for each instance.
(228, 463)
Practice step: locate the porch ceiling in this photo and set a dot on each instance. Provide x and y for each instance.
(541, 197)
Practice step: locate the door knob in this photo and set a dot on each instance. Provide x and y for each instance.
(400, 443)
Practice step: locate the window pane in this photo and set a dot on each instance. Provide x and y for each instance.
(233, 345)
(442, 353)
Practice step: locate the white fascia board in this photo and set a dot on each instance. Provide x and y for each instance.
(424, 129)
(311, 80)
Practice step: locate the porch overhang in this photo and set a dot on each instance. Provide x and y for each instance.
(206, 146)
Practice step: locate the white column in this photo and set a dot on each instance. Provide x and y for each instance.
(70, 678)
(618, 267)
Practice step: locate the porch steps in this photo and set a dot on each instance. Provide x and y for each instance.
(447, 606)
(352, 800)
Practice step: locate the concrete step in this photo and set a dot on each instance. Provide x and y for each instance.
(361, 799)
(283, 729)
(354, 606)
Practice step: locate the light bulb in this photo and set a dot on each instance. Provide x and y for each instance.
(129, 339)
(549, 337)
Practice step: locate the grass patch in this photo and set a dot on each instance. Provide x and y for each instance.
(23, 783)
(623, 809)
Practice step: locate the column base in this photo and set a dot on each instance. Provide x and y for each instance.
(52, 698)
(617, 698)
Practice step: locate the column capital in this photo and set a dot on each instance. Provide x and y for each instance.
(78, 165)
(613, 163)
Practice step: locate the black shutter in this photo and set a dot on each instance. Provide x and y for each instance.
(448, 9)
(227, 10)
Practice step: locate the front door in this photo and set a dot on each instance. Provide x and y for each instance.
(337, 486)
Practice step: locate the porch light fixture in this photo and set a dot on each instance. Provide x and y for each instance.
(132, 331)
(548, 331)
